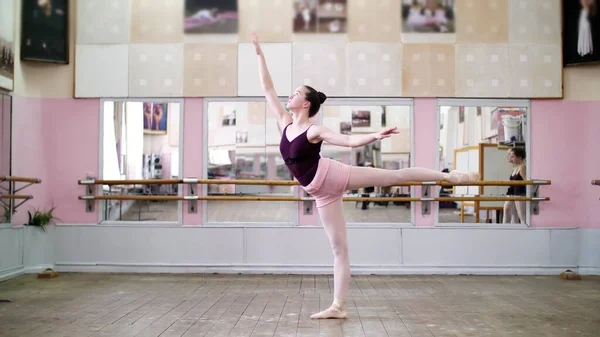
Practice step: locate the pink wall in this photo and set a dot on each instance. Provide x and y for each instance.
(71, 131)
(425, 114)
(564, 148)
(193, 148)
(55, 140)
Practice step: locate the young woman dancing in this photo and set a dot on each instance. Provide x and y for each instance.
(326, 179)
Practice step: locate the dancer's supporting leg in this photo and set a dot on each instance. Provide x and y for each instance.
(510, 212)
(332, 216)
(520, 208)
(368, 176)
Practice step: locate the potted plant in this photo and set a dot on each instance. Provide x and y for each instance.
(41, 219)
(39, 247)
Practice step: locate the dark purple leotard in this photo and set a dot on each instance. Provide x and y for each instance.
(301, 156)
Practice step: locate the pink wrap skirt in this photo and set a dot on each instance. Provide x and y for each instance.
(330, 182)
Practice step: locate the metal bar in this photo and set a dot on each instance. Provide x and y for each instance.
(426, 200)
(192, 194)
(23, 187)
(89, 192)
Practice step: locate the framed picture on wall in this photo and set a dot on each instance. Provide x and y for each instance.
(7, 45)
(320, 16)
(426, 21)
(345, 128)
(581, 37)
(45, 31)
(210, 17)
(155, 118)
(361, 118)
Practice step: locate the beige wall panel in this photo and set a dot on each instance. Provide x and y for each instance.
(271, 19)
(157, 21)
(210, 70)
(482, 21)
(320, 65)
(374, 21)
(374, 69)
(156, 70)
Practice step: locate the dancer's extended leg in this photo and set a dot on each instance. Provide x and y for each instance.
(368, 176)
(332, 216)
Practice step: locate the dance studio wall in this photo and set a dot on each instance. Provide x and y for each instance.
(502, 48)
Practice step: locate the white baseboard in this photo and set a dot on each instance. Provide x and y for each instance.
(13, 272)
(38, 268)
(318, 270)
(589, 270)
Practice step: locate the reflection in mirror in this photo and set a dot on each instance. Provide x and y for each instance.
(243, 143)
(141, 141)
(5, 157)
(391, 153)
(490, 140)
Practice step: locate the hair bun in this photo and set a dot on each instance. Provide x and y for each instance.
(321, 96)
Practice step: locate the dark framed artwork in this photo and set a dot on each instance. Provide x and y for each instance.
(45, 31)
(581, 31)
(7, 46)
(210, 17)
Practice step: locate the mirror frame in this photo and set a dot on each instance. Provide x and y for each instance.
(101, 205)
(331, 101)
(517, 103)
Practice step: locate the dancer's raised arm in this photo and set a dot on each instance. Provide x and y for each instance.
(283, 118)
(331, 137)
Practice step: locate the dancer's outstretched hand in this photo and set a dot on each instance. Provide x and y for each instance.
(386, 133)
(256, 45)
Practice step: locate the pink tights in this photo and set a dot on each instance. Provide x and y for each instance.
(334, 223)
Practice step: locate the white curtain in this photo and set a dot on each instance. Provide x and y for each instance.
(110, 162)
(135, 140)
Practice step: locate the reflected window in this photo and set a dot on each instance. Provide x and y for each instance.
(141, 142)
(492, 140)
(391, 153)
(249, 149)
(243, 144)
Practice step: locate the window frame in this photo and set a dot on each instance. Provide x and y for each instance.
(470, 102)
(11, 202)
(331, 101)
(99, 191)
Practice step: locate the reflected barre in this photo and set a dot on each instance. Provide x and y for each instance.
(12, 190)
(192, 196)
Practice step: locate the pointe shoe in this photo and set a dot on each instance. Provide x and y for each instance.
(336, 310)
(463, 178)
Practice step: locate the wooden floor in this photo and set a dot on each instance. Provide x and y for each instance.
(244, 305)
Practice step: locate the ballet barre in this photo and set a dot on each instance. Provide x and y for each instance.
(192, 197)
(12, 190)
(596, 182)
